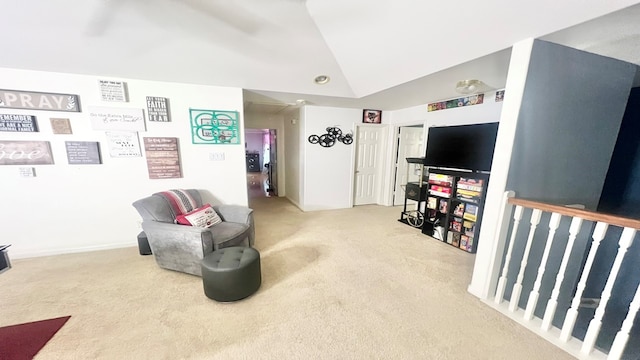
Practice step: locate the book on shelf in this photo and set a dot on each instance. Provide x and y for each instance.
(470, 212)
(469, 227)
(441, 191)
(458, 210)
(471, 182)
(440, 179)
(456, 225)
(444, 206)
(466, 243)
(432, 202)
(455, 239)
(468, 196)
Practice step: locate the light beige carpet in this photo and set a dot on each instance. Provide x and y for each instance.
(346, 284)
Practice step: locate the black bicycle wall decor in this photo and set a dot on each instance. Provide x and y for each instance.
(329, 139)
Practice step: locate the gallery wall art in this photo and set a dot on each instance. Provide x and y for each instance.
(123, 144)
(18, 99)
(83, 152)
(60, 126)
(124, 119)
(25, 153)
(113, 90)
(214, 126)
(158, 109)
(163, 157)
(18, 123)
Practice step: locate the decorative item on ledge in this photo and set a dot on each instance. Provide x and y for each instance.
(470, 87)
(454, 103)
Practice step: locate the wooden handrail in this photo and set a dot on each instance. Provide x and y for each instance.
(583, 214)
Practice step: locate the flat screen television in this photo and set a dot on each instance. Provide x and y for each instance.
(466, 147)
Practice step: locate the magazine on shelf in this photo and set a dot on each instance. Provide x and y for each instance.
(470, 212)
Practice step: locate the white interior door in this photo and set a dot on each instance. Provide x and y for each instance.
(368, 178)
(410, 141)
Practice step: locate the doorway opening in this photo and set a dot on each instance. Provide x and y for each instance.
(261, 162)
(410, 141)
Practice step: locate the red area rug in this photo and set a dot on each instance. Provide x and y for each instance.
(23, 341)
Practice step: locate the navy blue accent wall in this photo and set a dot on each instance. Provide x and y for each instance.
(621, 192)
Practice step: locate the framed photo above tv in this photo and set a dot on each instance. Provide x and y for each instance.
(371, 116)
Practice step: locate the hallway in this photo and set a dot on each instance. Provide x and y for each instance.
(258, 185)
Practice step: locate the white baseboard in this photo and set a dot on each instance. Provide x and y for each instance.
(50, 252)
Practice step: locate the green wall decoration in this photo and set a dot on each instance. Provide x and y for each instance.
(214, 126)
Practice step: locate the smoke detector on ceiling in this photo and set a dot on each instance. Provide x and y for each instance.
(469, 86)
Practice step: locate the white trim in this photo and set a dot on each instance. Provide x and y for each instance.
(40, 253)
(516, 83)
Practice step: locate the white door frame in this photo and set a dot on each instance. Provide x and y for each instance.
(391, 168)
(383, 150)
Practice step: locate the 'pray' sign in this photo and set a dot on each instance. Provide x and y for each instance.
(16, 99)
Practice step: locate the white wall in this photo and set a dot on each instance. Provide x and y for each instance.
(293, 157)
(254, 142)
(260, 121)
(328, 173)
(68, 208)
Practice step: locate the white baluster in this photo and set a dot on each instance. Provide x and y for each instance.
(552, 304)
(594, 326)
(554, 222)
(502, 282)
(622, 337)
(517, 287)
(572, 313)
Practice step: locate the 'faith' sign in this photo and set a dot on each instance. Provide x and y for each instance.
(16, 99)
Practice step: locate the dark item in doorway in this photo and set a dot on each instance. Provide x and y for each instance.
(333, 135)
(143, 244)
(5, 263)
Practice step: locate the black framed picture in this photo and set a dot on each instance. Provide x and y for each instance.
(371, 116)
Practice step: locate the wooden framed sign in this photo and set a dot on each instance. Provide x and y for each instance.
(18, 123)
(163, 157)
(113, 90)
(25, 153)
(106, 118)
(17, 99)
(158, 109)
(83, 152)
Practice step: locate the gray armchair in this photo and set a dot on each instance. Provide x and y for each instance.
(181, 247)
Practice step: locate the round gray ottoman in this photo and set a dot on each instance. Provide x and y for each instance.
(231, 274)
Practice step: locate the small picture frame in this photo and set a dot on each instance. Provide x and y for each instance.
(372, 116)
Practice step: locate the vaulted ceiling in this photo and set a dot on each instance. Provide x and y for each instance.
(384, 54)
